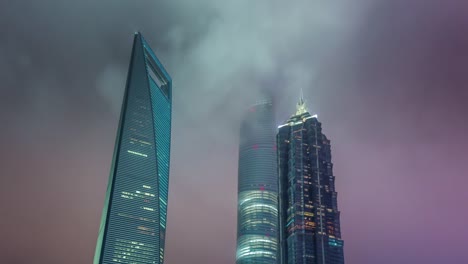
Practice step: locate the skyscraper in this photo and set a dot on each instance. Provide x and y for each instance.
(133, 223)
(257, 215)
(309, 219)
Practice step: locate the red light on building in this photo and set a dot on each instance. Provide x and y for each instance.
(255, 146)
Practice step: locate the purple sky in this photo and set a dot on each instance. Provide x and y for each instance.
(388, 80)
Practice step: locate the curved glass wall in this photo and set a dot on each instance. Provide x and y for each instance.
(257, 214)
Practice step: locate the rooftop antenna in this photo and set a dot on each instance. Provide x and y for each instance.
(301, 108)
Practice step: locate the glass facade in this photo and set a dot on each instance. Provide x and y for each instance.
(257, 215)
(133, 224)
(309, 219)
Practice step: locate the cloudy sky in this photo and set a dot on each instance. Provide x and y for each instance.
(388, 79)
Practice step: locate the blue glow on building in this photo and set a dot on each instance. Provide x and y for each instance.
(257, 215)
(133, 224)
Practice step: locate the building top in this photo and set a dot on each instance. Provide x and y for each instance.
(154, 57)
(302, 113)
(301, 107)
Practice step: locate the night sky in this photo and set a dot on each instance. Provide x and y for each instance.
(388, 80)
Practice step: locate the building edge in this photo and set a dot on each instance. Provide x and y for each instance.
(107, 200)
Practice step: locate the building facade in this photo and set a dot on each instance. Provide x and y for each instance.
(133, 224)
(309, 220)
(257, 215)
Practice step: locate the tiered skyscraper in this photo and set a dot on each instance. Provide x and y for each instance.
(257, 215)
(309, 220)
(133, 224)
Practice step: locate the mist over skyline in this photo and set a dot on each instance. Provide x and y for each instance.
(388, 80)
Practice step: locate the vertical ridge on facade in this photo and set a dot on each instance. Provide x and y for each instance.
(133, 223)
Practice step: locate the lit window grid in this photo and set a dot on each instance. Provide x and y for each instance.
(257, 188)
(303, 212)
(134, 213)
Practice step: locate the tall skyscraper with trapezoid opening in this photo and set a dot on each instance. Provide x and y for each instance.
(133, 224)
(309, 220)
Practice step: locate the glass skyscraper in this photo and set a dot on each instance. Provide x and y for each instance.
(309, 220)
(257, 215)
(133, 224)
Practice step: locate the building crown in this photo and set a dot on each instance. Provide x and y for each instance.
(301, 107)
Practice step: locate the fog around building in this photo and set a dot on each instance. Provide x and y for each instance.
(387, 79)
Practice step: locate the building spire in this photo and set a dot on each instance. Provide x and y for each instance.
(301, 107)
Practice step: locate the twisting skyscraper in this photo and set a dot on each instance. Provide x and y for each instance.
(309, 219)
(257, 215)
(133, 224)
